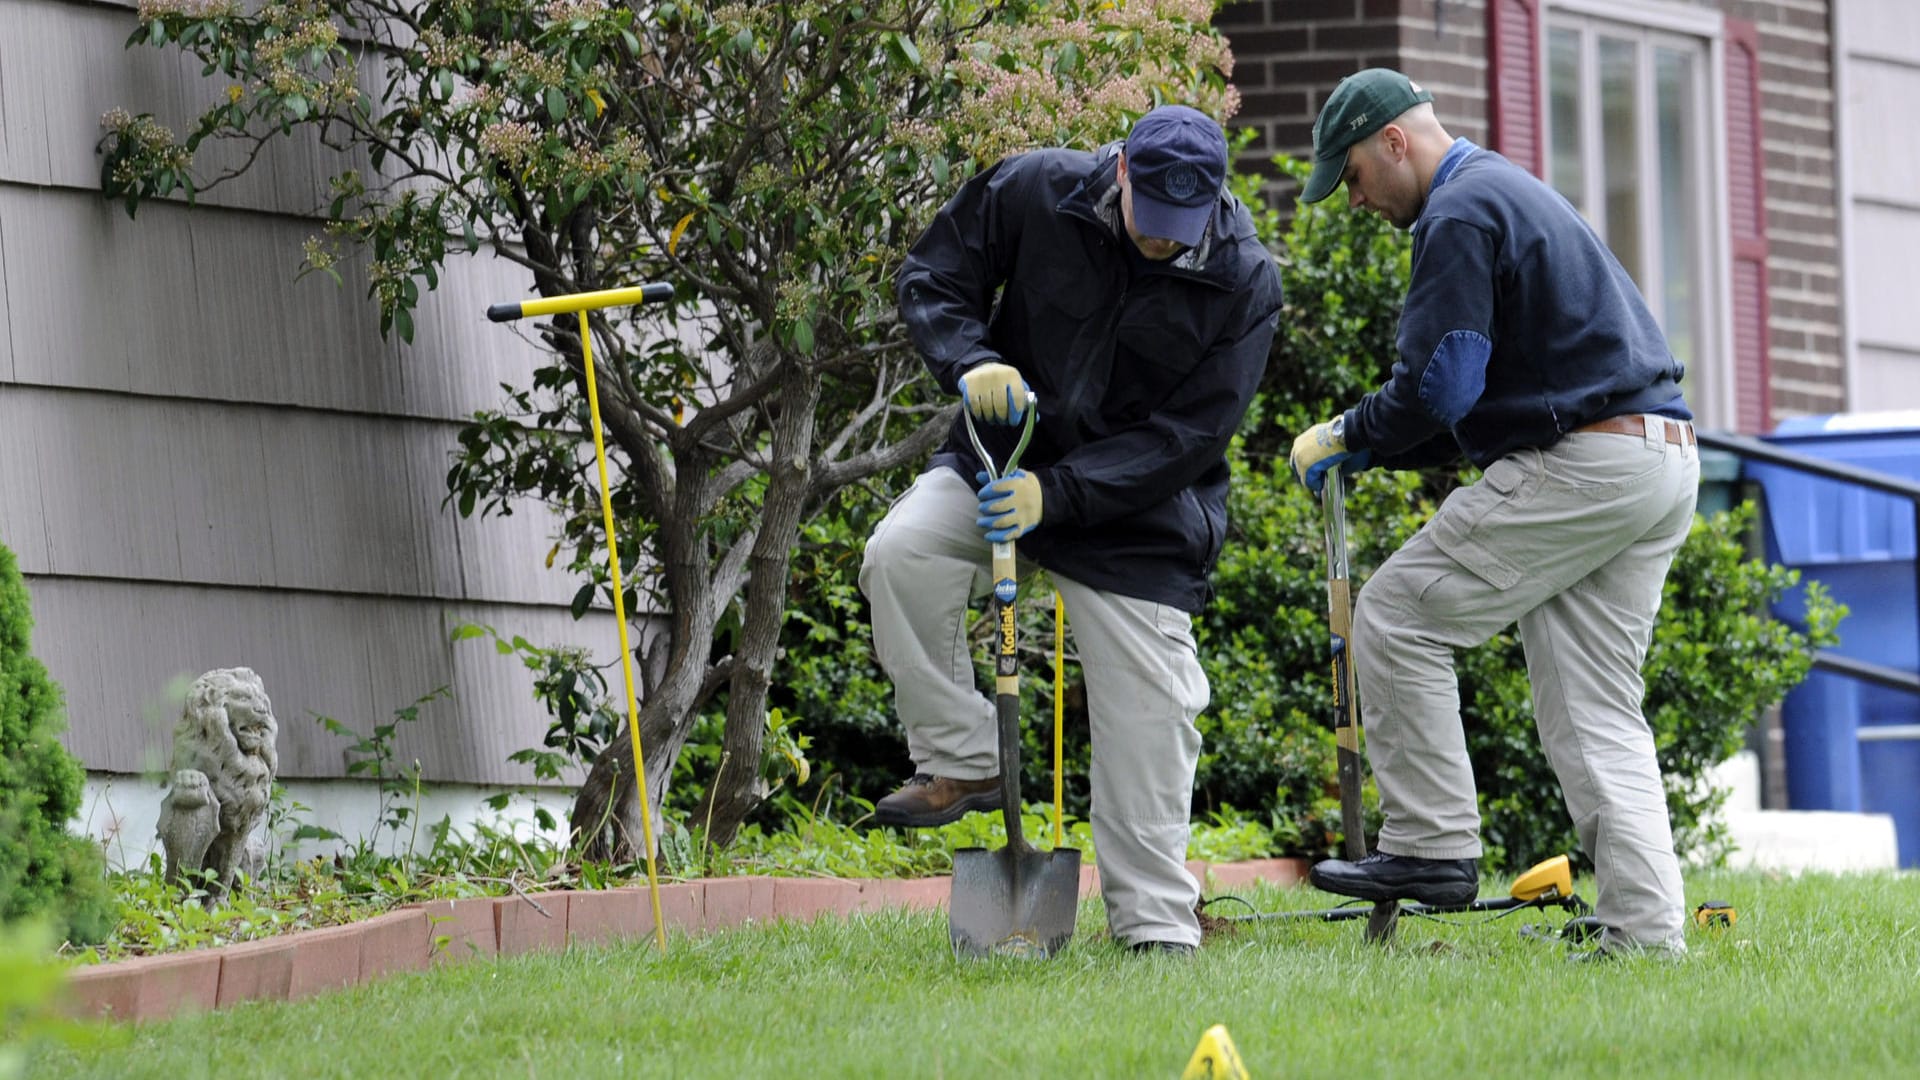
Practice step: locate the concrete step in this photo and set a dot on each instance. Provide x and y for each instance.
(1795, 840)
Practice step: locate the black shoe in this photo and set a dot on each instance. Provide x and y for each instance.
(926, 801)
(1379, 876)
(1168, 948)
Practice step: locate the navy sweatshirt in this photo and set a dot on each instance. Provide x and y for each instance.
(1519, 326)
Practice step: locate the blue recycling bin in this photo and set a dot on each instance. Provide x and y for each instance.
(1859, 544)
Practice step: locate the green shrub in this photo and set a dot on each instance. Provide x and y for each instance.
(827, 677)
(31, 982)
(1264, 645)
(1343, 275)
(44, 870)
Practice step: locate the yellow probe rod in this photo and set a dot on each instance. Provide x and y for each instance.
(583, 303)
(1059, 711)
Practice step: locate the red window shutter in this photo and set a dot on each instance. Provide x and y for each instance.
(1747, 212)
(1513, 82)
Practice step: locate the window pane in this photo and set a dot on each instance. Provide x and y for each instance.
(1563, 120)
(1619, 133)
(1679, 217)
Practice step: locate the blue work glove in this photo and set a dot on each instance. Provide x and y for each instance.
(995, 393)
(1320, 448)
(1010, 506)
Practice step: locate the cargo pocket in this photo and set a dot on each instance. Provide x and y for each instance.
(1184, 680)
(1467, 526)
(1176, 625)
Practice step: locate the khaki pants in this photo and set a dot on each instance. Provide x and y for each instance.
(925, 564)
(1572, 542)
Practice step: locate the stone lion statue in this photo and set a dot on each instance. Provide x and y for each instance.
(223, 766)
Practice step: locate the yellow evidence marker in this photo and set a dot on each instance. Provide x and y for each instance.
(1715, 915)
(1215, 1058)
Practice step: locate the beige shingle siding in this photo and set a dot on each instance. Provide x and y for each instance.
(1880, 45)
(356, 658)
(63, 64)
(206, 463)
(204, 304)
(6, 312)
(1798, 142)
(22, 525)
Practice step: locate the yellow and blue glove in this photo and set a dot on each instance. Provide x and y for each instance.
(1009, 506)
(1320, 448)
(995, 393)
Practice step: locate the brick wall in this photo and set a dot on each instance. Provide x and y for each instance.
(1803, 251)
(1443, 47)
(1289, 54)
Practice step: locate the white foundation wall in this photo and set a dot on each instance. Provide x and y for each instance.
(1792, 841)
(123, 810)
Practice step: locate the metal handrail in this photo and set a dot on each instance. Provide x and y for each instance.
(1866, 671)
(1749, 448)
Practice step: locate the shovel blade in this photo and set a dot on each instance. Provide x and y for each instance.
(1009, 902)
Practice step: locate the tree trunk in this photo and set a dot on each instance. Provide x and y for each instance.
(606, 810)
(734, 790)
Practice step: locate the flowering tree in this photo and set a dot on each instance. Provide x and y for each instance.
(773, 160)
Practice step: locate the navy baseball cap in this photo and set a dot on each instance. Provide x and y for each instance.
(1177, 163)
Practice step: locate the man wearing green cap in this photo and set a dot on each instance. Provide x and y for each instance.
(1523, 345)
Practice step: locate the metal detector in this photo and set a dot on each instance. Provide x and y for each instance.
(1547, 884)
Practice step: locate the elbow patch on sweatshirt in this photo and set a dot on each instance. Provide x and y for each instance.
(1456, 376)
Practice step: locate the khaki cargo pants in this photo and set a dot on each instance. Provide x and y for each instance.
(925, 564)
(1573, 542)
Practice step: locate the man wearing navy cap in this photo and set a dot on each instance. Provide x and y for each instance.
(1524, 346)
(1126, 289)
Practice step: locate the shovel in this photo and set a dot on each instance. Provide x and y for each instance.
(1013, 900)
(1346, 703)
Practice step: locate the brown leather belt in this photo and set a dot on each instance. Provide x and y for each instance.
(1678, 432)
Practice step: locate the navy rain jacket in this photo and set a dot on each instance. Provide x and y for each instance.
(1142, 370)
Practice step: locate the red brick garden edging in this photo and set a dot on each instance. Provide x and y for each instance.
(294, 966)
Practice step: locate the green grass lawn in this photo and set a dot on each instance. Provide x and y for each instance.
(1820, 977)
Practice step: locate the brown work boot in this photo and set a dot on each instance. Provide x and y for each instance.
(926, 801)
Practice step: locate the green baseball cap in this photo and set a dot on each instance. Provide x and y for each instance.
(1362, 104)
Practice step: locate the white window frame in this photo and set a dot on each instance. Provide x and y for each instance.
(1655, 23)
